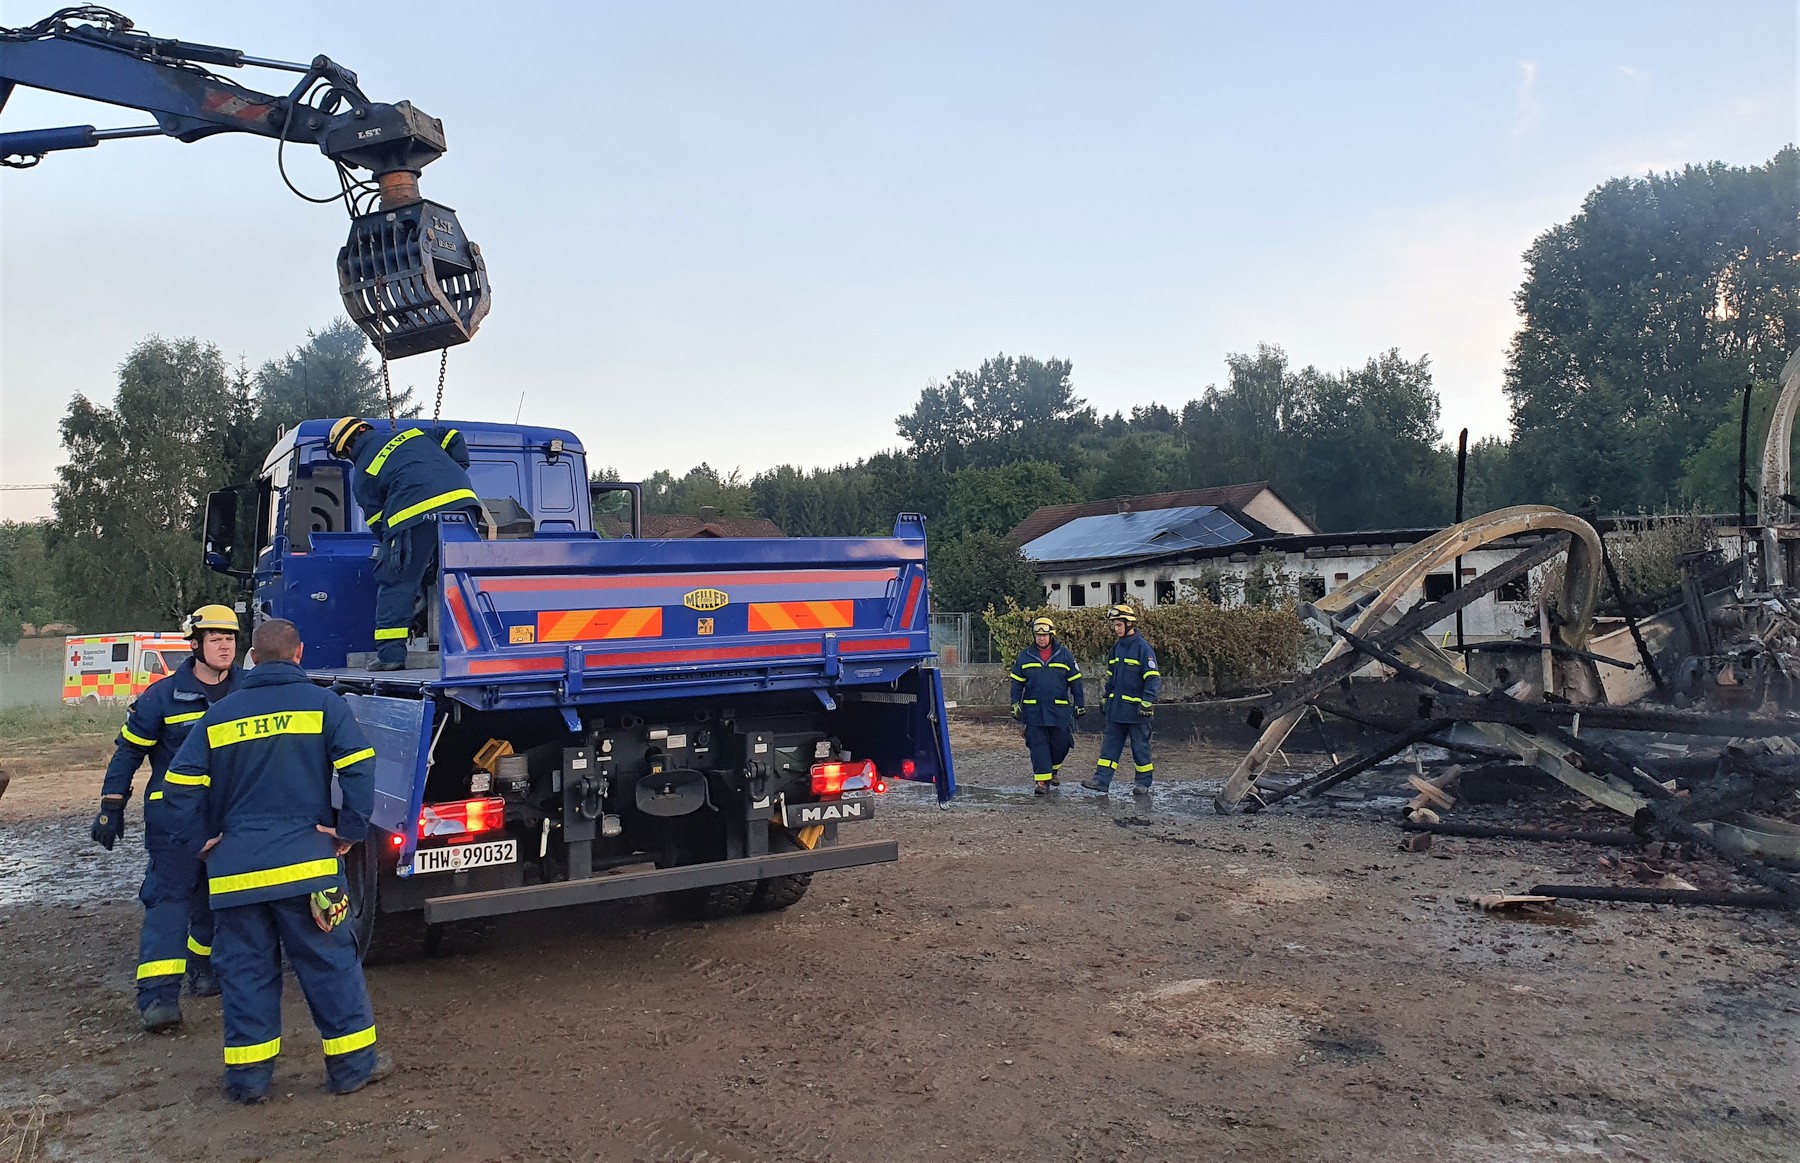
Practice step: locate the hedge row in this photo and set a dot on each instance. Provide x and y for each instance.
(1225, 647)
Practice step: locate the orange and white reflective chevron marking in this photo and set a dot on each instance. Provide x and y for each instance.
(589, 625)
(801, 615)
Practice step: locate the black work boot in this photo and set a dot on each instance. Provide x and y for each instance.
(380, 665)
(202, 981)
(1093, 785)
(384, 1066)
(161, 1015)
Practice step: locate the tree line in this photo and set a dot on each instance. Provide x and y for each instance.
(1643, 318)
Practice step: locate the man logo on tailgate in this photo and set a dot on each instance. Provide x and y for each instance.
(705, 600)
(844, 810)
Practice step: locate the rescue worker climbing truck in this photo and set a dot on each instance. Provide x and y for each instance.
(582, 717)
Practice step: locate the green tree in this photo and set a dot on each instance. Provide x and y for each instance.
(334, 373)
(1011, 408)
(1643, 316)
(125, 538)
(1709, 480)
(1240, 432)
(701, 486)
(1367, 446)
(993, 500)
(978, 570)
(27, 584)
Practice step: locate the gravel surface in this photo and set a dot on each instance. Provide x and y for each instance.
(1065, 978)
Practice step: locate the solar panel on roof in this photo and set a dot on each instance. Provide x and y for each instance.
(1137, 534)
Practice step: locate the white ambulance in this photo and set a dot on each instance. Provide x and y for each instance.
(116, 668)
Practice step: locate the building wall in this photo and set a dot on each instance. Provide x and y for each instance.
(1307, 575)
(1274, 513)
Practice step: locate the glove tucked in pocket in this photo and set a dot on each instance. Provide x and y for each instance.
(329, 907)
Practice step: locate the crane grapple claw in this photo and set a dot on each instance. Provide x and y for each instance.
(412, 280)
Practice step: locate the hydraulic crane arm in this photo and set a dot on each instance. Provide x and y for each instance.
(408, 275)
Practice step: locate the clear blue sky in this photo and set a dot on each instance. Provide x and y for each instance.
(750, 233)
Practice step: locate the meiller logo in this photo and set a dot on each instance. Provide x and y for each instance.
(704, 600)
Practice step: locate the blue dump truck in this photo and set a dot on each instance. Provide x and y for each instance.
(589, 715)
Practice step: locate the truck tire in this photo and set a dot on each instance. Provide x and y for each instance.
(780, 892)
(713, 903)
(385, 938)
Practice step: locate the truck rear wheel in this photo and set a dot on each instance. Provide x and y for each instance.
(780, 892)
(713, 902)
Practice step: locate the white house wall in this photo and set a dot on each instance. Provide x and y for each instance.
(1486, 618)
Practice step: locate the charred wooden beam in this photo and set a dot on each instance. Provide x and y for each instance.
(1349, 768)
(1464, 708)
(1420, 617)
(1611, 837)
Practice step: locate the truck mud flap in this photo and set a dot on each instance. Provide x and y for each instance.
(499, 902)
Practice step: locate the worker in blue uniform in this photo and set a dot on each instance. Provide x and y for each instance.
(252, 789)
(1046, 698)
(176, 940)
(403, 476)
(1132, 685)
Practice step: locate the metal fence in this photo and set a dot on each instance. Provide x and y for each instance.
(962, 641)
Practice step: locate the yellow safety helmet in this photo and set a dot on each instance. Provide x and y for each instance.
(1124, 612)
(342, 433)
(209, 617)
(1043, 626)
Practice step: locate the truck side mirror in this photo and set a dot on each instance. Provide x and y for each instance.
(634, 495)
(222, 532)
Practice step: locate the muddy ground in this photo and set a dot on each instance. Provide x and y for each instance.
(1062, 980)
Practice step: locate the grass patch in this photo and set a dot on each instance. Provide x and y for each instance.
(58, 724)
(22, 1132)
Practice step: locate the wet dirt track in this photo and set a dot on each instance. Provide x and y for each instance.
(1061, 980)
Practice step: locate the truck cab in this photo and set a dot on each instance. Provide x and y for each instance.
(587, 716)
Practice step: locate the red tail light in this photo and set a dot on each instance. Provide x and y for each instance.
(461, 817)
(908, 769)
(397, 840)
(831, 779)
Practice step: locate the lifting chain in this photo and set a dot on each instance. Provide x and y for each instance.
(438, 408)
(387, 388)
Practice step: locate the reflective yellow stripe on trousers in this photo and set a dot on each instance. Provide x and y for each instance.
(174, 967)
(350, 1043)
(249, 1055)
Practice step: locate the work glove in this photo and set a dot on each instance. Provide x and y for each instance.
(109, 824)
(1148, 710)
(1018, 712)
(329, 907)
